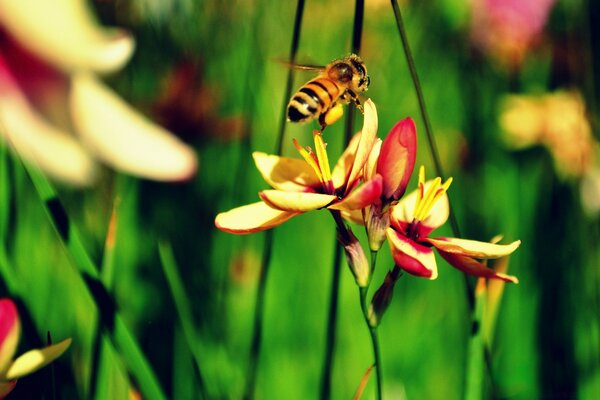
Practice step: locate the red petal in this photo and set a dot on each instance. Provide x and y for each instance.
(411, 256)
(397, 158)
(473, 267)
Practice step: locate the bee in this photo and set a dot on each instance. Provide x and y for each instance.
(323, 97)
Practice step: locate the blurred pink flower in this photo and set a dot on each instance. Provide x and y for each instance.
(27, 363)
(49, 55)
(507, 29)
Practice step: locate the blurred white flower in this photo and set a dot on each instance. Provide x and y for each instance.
(56, 113)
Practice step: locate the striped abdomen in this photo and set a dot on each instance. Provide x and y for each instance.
(313, 99)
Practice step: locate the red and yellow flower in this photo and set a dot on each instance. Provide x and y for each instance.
(27, 363)
(417, 215)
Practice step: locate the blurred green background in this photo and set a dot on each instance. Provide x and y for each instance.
(547, 343)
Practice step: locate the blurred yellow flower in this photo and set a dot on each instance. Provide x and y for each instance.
(49, 55)
(555, 120)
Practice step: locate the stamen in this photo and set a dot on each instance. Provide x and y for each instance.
(323, 161)
(308, 158)
(427, 199)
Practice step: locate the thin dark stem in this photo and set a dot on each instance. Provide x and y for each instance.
(374, 341)
(341, 229)
(268, 246)
(428, 131)
(331, 326)
(258, 317)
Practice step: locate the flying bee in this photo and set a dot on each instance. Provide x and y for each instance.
(323, 97)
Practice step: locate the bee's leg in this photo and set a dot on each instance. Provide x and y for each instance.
(332, 115)
(350, 96)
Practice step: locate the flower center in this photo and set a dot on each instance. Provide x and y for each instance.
(319, 161)
(426, 199)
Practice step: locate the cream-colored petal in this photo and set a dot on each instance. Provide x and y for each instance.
(52, 150)
(123, 138)
(411, 256)
(342, 168)
(367, 140)
(36, 359)
(371, 165)
(404, 210)
(66, 34)
(251, 218)
(296, 201)
(283, 173)
(473, 248)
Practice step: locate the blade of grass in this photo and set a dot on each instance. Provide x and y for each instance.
(182, 304)
(111, 320)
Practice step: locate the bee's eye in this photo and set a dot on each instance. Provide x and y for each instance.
(341, 72)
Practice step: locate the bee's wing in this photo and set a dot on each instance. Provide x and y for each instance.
(304, 67)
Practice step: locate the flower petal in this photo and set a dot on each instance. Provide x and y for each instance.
(471, 266)
(342, 168)
(125, 139)
(36, 359)
(367, 140)
(66, 34)
(282, 173)
(371, 165)
(296, 201)
(403, 212)
(473, 248)
(51, 149)
(362, 197)
(251, 218)
(411, 256)
(397, 158)
(10, 330)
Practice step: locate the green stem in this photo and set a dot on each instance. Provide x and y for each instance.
(374, 341)
(331, 325)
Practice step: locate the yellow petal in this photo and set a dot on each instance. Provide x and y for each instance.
(52, 150)
(367, 140)
(371, 165)
(251, 218)
(36, 359)
(473, 248)
(296, 201)
(66, 34)
(288, 174)
(123, 138)
(473, 267)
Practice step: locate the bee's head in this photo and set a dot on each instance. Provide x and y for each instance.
(360, 78)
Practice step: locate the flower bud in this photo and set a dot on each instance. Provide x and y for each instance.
(383, 297)
(378, 220)
(355, 255)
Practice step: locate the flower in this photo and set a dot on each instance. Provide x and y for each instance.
(507, 29)
(556, 120)
(309, 184)
(49, 55)
(27, 363)
(416, 216)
